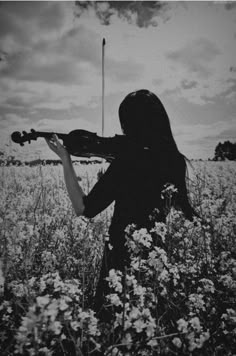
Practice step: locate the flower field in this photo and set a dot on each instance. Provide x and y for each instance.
(178, 297)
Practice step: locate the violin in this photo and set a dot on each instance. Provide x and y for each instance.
(80, 143)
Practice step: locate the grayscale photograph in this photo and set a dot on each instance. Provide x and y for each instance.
(117, 178)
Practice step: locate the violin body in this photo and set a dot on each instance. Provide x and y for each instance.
(80, 143)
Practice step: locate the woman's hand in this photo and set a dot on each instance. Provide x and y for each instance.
(55, 145)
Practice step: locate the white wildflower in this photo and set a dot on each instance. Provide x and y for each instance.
(195, 323)
(160, 229)
(114, 299)
(177, 342)
(142, 237)
(55, 327)
(114, 280)
(182, 325)
(42, 301)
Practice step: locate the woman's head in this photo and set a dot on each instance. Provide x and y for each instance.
(144, 118)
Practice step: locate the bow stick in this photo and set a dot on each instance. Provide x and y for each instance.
(103, 83)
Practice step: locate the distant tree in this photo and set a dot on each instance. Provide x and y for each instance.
(226, 150)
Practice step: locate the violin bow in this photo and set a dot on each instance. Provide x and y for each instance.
(103, 82)
(102, 170)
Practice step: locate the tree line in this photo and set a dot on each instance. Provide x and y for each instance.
(225, 151)
(12, 161)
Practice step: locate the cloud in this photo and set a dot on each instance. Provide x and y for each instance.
(232, 85)
(196, 57)
(230, 5)
(12, 121)
(31, 47)
(124, 71)
(17, 102)
(225, 95)
(140, 13)
(63, 61)
(51, 59)
(81, 43)
(15, 107)
(73, 57)
(40, 14)
(28, 67)
(229, 134)
(23, 23)
(200, 72)
(201, 139)
(188, 84)
(221, 130)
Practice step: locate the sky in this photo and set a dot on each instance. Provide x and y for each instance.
(51, 68)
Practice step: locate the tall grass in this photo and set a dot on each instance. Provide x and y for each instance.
(176, 298)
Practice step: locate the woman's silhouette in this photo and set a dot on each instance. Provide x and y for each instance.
(134, 180)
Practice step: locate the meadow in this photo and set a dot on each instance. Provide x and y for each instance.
(178, 296)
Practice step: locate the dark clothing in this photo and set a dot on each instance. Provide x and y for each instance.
(134, 181)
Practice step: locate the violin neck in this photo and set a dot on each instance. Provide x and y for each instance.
(49, 134)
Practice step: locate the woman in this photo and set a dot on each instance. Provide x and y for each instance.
(134, 180)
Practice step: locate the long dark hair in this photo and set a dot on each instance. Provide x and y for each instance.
(143, 118)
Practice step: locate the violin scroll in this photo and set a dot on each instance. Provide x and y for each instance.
(17, 137)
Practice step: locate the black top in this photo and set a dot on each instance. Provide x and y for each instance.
(135, 181)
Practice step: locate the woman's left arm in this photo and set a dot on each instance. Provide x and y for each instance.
(75, 191)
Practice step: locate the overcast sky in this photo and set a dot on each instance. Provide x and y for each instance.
(51, 59)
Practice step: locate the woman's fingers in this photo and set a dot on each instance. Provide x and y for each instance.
(55, 139)
(51, 144)
(55, 145)
(57, 142)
